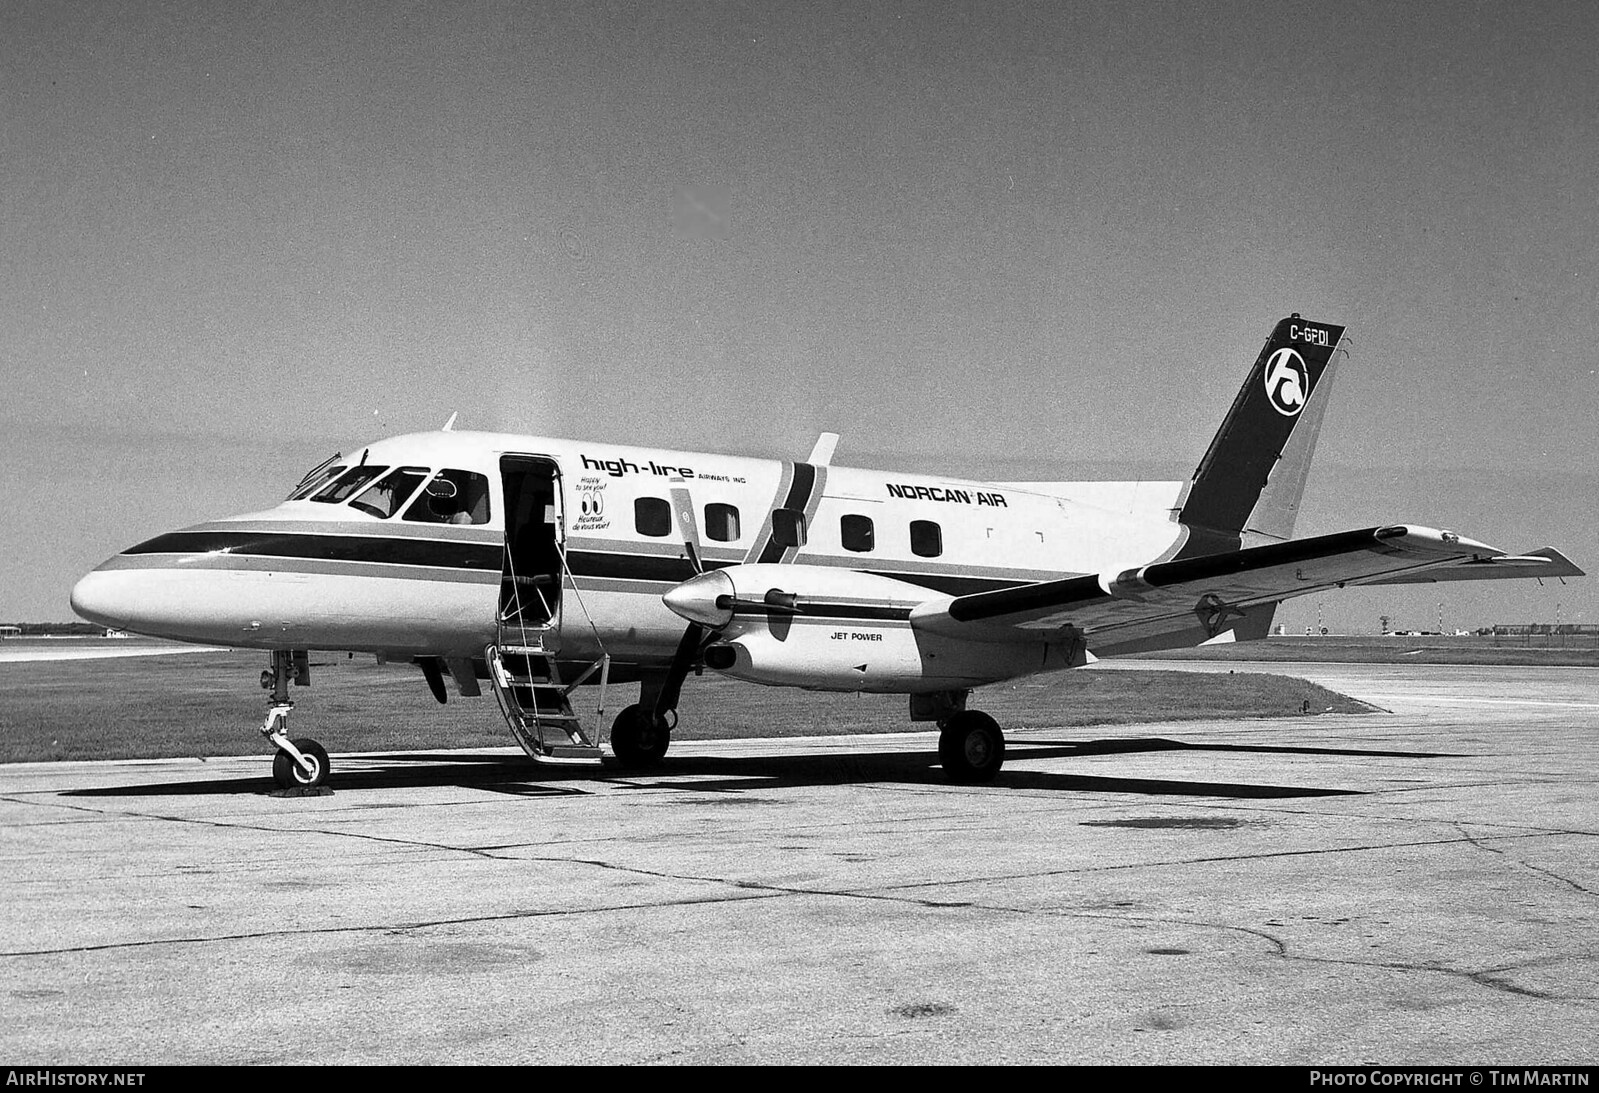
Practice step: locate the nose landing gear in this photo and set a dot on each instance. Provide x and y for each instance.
(301, 763)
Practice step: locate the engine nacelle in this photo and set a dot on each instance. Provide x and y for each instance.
(838, 630)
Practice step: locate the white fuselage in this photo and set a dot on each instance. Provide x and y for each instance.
(321, 574)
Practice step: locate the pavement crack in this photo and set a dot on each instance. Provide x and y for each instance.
(753, 885)
(1208, 860)
(233, 825)
(375, 927)
(1492, 978)
(1550, 873)
(1249, 931)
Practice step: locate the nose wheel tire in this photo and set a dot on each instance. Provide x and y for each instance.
(971, 747)
(289, 774)
(639, 738)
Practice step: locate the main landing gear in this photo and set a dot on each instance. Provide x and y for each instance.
(971, 747)
(301, 763)
(641, 733)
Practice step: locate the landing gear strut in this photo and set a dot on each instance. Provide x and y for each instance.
(971, 747)
(640, 736)
(301, 762)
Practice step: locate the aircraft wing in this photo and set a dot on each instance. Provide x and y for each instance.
(1543, 562)
(1167, 603)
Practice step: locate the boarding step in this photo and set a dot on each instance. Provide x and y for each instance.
(537, 706)
(573, 752)
(526, 657)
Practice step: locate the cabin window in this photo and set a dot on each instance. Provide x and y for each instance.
(927, 539)
(788, 527)
(857, 533)
(391, 491)
(652, 516)
(317, 477)
(453, 497)
(345, 486)
(721, 522)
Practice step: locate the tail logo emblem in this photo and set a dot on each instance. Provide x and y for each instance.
(1287, 382)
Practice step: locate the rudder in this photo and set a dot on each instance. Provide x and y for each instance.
(1246, 489)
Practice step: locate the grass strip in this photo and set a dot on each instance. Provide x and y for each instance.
(209, 703)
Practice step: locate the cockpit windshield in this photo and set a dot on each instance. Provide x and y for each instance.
(343, 487)
(384, 498)
(317, 477)
(449, 497)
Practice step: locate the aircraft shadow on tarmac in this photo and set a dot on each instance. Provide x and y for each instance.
(499, 773)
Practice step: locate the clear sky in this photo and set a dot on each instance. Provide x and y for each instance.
(1031, 240)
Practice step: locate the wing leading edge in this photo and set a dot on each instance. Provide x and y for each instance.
(1167, 603)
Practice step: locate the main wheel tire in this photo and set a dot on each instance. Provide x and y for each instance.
(971, 747)
(288, 774)
(639, 738)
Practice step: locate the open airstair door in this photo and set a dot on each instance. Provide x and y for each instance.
(530, 582)
(536, 702)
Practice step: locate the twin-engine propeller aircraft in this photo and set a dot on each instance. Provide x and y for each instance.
(539, 565)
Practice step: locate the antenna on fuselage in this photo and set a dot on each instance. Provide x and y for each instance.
(822, 453)
(448, 425)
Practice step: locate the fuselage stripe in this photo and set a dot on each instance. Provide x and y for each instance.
(815, 612)
(315, 567)
(798, 497)
(480, 558)
(635, 567)
(330, 548)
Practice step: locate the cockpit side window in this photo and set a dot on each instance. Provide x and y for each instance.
(453, 497)
(348, 483)
(391, 491)
(317, 477)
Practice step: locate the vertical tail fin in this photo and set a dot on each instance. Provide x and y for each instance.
(1246, 489)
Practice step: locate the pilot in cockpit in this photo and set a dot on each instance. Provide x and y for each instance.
(444, 502)
(447, 502)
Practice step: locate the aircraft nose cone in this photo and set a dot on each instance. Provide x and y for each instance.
(162, 603)
(696, 599)
(104, 597)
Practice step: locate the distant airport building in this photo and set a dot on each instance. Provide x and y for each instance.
(1564, 635)
(1521, 629)
(10, 631)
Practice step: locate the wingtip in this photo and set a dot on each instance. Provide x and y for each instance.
(1562, 565)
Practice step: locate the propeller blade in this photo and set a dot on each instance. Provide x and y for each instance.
(683, 507)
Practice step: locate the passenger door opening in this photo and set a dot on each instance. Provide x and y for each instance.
(530, 583)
